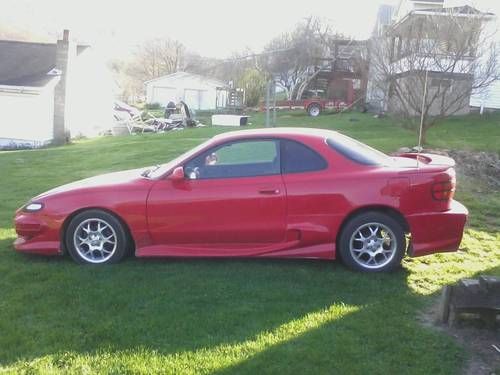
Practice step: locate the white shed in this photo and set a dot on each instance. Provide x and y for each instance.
(196, 91)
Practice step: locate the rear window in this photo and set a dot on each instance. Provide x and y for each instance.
(298, 158)
(357, 151)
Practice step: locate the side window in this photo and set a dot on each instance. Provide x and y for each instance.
(236, 159)
(297, 158)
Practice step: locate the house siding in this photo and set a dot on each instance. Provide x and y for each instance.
(489, 99)
(455, 102)
(27, 117)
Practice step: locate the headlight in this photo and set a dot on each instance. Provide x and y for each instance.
(33, 207)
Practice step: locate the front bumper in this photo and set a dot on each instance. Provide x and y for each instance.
(37, 234)
(434, 232)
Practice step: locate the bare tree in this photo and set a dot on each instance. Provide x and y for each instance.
(154, 58)
(157, 57)
(291, 57)
(427, 68)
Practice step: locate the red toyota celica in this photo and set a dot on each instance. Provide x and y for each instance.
(283, 193)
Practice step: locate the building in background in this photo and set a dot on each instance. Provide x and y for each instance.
(384, 19)
(51, 91)
(488, 100)
(198, 92)
(416, 43)
(375, 94)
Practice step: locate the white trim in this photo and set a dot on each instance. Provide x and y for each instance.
(165, 87)
(180, 73)
(29, 90)
(161, 77)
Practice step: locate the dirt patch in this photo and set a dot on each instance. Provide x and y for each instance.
(477, 340)
(484, 166)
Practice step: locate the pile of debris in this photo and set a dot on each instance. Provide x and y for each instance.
(130, 120)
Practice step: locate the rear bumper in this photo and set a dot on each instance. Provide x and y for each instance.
(36, 234)
(434, 232)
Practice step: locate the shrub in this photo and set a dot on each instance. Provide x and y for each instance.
(155, 105)
(254, 83)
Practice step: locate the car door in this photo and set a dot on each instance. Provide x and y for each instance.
(312, 203)
(232, 194)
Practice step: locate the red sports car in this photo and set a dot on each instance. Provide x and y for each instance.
(284, 193)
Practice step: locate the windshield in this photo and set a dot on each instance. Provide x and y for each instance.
(159, 170)
(358, 152)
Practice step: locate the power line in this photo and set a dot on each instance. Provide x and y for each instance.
(246, 57)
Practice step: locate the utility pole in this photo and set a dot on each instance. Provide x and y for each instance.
(274, 103)
(268, 94)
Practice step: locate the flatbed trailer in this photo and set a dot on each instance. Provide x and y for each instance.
(313, 106)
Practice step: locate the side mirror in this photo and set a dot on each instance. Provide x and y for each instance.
(177, 174)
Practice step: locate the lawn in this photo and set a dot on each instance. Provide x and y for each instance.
(231, 316)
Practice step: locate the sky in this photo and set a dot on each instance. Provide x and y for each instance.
(213, 28)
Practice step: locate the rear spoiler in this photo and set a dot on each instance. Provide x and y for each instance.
(430, 159)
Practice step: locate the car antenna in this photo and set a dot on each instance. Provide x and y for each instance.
(424, 97)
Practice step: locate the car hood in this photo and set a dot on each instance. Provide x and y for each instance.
(104, 180)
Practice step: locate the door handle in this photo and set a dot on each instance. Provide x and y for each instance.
(269, 191)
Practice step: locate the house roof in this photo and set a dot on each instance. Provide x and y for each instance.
(27, 63)
(464, 11)
(180, 74)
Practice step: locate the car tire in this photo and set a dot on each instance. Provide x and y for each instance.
(314, 110)
(96, 237)
(372, 242)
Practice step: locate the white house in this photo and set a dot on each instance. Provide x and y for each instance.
(489, 99)
(51, 90)
(404, 25)
(196, 91)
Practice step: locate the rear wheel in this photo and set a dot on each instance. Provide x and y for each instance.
(96, 237)
(314, 110)
(372, 242)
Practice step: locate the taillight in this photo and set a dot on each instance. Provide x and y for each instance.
(444, 189)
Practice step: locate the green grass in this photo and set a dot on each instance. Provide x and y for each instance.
(229, 316)
(473, 132)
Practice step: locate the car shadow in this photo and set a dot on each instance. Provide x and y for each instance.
(359, 343)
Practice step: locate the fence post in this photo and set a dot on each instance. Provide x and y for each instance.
(268, 93)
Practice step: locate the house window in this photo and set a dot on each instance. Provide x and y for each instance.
(441, 84)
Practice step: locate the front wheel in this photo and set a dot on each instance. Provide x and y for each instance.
(96, 237)
(372, 242)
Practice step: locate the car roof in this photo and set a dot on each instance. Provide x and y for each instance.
(276, 132)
